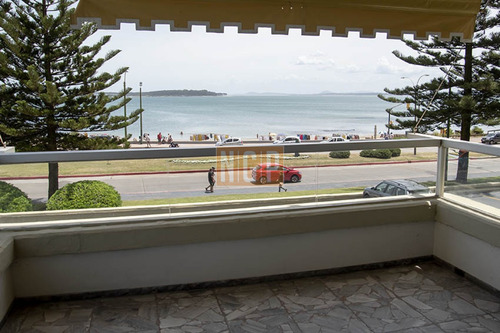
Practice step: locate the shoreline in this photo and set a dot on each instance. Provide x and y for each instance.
(252, 141)
(246, 141)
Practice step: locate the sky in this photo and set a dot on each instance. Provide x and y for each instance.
(235, 63)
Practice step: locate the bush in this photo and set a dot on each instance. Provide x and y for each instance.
(340, 154)
(476, 130)
(376, 153)
(13, 199)
(84, 194)
(395, 152)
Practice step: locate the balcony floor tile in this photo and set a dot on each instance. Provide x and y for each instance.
(414, 298)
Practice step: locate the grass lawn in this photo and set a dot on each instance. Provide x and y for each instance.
(183, 164)
(212, 198)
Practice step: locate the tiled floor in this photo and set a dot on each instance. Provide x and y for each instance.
(416, 298)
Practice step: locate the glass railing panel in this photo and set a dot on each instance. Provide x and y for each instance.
(29, 178)
(350, 172)
(477, 178)
(162, 177)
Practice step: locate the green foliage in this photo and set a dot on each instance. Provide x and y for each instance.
(52, 83)
(84, 194)
(340, 154)
(51, 79)
(467, 95)
(376, 153)
(13, 199)
(476, 130)
(95, 143)
(395, 152)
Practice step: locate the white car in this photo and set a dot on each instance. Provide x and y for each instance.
(335, 139)
(230, 142)
(288, 139)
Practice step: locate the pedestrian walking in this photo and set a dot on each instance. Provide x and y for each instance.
(148, 141)
(211, 180)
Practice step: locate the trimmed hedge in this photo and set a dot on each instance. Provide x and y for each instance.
(84, 194)
(395, 152)
(376, 153)
(13, 199)
(340, 154)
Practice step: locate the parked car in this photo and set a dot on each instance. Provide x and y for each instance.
(274, 173)
(395, 187)
(288, 139)
(230, 142)
(491, 138)
(335, 139)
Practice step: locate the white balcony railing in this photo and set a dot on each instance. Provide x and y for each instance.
(418, 141)
(73, 252)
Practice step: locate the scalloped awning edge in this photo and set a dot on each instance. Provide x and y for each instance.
(395, 18)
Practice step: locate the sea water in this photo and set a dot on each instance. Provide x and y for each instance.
(249, 116)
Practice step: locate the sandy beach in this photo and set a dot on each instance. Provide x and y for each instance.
(246, 141)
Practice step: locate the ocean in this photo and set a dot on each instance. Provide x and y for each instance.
(247, 116)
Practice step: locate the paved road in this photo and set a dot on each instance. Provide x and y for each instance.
(140, 187)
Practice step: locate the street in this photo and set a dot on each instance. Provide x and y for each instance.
(175, 185)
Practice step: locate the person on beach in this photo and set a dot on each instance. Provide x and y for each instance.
(211, 180)
(148, 141)
(159, 137)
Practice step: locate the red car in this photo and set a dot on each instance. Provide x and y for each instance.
(273, 173)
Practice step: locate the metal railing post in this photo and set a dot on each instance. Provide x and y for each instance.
(441, 169)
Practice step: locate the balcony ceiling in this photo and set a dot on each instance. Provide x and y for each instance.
(421, 18)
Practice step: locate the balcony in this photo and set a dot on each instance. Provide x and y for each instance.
(133, 251)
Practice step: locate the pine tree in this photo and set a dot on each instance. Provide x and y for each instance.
(51, 90)
(467, 94)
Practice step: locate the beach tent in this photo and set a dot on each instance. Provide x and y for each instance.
(420, 18)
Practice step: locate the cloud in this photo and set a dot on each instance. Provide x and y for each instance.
(352, 68)
(318, 60)
(385, 67)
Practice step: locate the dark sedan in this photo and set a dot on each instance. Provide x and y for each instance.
(395, 187)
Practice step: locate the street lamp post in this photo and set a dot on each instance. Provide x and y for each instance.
(125, 100)
(389, 121)
(140, 106)
(389, 117)
(417, 103)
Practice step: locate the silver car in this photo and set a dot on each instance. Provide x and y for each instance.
(230, 142)
(288, 139)
(395, 187)
(335, 139)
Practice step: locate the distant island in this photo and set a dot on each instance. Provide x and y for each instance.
(175, 93)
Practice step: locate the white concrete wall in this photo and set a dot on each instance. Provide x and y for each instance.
(468, 241)
(6, 283)
(79, 257)
(474, 256)
(212, 261)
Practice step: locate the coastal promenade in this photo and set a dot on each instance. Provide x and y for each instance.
(246, 141)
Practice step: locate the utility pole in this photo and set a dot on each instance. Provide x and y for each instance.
(140, 106)
(417, 103)
(463, 156)
(125, 99)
